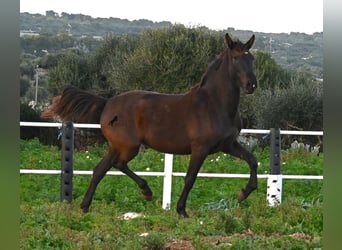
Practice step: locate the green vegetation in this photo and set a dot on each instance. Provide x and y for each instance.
(172, 60)
(217, 220)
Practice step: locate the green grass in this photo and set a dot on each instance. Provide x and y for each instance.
(216, 220)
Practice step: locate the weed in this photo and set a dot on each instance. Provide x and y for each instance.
(231, 223)
(153, 241)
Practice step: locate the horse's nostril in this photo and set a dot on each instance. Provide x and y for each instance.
(250, 84)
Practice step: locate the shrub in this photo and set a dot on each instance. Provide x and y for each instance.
(297, 107)
(45, 135)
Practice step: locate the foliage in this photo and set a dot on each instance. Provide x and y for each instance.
(47, 43)
(73, 68)
(285, 98)
(27, 72)
(45, 135)
(154, 241)
(268, 72)
(28, 114)
(46, 223)
(299, 107)
(108, 59)
(167, 60)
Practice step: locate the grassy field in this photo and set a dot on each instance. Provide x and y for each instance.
(216, 220)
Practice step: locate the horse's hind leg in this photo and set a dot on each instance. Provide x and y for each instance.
(99, 172)
(145, 189)
(238, 151)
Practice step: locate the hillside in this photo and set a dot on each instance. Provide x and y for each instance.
(297, 51)
(83, 25)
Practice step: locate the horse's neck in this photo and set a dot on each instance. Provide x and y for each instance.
(222, 88)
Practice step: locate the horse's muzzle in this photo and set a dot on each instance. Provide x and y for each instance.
(250, 87)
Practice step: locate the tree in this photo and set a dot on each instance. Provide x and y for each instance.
(73, 67)
(299, 107)
(24, 86)
(50, 13)
(268, 72)
(167, 60)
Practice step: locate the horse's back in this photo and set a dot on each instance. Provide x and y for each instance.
(142, 117)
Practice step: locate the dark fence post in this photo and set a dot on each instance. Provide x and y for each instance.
(67, 161)
(274, 182)
(275, 146)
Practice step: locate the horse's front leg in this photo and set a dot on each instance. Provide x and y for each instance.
(196, 160)
(235, 149)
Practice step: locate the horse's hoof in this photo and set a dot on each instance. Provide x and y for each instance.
(147, 194)
(241, 196)
(182, 213)
(85, 209)
(147, 197)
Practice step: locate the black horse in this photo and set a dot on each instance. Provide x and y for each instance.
(202, 121)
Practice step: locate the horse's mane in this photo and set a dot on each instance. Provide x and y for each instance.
(213, 66)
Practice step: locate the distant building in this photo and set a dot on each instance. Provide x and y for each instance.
(99, 38)
(28, 33)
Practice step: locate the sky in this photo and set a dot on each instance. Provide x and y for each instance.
(269, 16)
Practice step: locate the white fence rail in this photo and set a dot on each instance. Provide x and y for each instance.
(168, 163)
(243, 131)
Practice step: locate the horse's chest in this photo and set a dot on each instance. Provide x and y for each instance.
(224, 131)
(229, 125)
(221, 140)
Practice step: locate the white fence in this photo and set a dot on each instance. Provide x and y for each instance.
(168, 164)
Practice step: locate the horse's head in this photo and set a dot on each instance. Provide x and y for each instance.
(241, 61)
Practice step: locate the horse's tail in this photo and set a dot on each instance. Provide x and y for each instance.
(76, 105)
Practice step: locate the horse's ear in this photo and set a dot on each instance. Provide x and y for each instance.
(229, 41)
(250, 42)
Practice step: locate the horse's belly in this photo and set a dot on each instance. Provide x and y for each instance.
(171, 149)
(168, 142)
